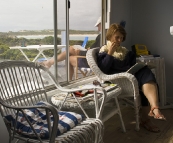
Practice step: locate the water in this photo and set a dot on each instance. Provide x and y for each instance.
(71, 37)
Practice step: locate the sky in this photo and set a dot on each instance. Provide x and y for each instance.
(16, 15)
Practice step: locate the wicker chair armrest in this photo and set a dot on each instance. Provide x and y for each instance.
(124, 75)
(47, 106)
(131, 78)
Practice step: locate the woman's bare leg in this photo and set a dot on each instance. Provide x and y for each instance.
(151, 92)
(61, 57)
(71, 71)
(72, 52)
(73, 63)
(51, 61)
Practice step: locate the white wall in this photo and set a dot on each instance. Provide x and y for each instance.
(121, 10)
(148, 22)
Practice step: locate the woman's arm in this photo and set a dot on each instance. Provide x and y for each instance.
(104, 62)
(132, 58)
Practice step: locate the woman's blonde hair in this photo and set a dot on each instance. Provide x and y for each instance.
(113, 29)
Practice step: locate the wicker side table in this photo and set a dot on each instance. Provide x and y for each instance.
(89, 103)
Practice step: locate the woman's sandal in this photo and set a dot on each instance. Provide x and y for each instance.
(158, 116)
(149, 127)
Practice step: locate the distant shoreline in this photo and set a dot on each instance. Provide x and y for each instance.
(71, 36)
(58, 35)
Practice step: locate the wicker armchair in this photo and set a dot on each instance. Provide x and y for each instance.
(128, 83)
(21, 90)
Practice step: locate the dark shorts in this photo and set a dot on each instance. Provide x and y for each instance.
(144, 75)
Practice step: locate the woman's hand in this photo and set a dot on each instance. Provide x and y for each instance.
(113, 48)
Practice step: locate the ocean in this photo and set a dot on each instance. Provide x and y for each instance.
(71, 37)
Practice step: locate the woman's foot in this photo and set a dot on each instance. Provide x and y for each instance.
(149, 125)
(155, 112)
(45, 64)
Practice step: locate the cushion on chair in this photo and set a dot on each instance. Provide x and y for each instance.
(37, 117)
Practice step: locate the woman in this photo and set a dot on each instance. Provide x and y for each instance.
(113, 58)
(73, 52)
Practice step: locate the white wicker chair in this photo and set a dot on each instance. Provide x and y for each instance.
(21, 87)
(126, 81)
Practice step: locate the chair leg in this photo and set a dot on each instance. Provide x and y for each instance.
(137, 108)
(120, 115)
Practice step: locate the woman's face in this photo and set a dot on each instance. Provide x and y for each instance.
(117, 38)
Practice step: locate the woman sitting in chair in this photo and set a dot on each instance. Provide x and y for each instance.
(73, 52)
(113, 58)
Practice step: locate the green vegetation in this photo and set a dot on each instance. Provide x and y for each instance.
(7, 41)
(43, 32)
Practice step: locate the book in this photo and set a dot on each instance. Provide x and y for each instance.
(136, 67)
(110, 87)
(107, 86)
(144, 57)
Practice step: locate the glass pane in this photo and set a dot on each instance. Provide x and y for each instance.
(25, 23)
(29, 26)
(82, 19)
